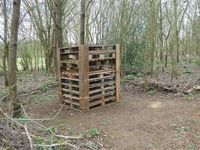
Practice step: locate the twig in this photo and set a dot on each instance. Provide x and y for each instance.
(186, 86)
(56, 145)
(69, 137)
(107, 134)
(29, 137)
(30, 118)
(46, 119)
(5, 115)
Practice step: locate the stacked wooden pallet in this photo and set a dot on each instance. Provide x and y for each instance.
(89, 76)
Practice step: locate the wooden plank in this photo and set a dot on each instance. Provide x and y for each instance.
(59, 75)
(117, 61)
(64, 78)
(110, 99)
(100, 78)
(69, 61)
(69, 53)
(71, 103)
(101, 72)
(70, 91)
(69, 96)
(100, 59)
(70, 85)
(102, 89)
(97, 52)
(99, 96)
(110, 83)
(103, 92)
(84, 77)
(95, 103)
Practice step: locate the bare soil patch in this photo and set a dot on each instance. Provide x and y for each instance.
(139, 121)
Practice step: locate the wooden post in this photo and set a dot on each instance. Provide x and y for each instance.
(117, 72)
(84, 77)
(59, 75)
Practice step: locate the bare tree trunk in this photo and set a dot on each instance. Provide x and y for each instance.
(12, 65)
(82, 23)
(176, 30)
(153, 32)
(161, 36)
(5, 57)
(58, 40)
(174, 52)
(59, 33)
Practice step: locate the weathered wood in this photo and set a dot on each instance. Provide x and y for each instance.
(94, 85)
(69, 79)
(102, 59)
(117, 61)
(69, 96)
(90, 76)
(97, 52)
(99, 96)
(100, 78)
(103, 71)
(103, 89)
(95, 103)
(70, 85)
(59, 75)
(84, 77)
(71, 103)
(69, 61)
(70, 91)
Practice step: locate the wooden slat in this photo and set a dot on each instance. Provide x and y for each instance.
(70, 85)
(100, 59)
(101, 84)
(97, 79)
(95, 103)
(99, 96)
(70, 61)
(101, 72)
(109, 99)
(69, 53)
(83, 77)
(69, 96)
(117, 73)
(70, 91)
(97, 52)
(59, 75)
(71, 103)
(69, 79)
(102, 89)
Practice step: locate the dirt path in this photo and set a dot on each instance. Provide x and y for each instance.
(139, 122)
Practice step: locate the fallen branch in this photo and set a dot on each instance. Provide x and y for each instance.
(13, 120)
(56, 145)
(45, 119)
(29, 119)
(29, 137)
(69, 137)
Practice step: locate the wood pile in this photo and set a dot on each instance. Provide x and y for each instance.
(89, 76)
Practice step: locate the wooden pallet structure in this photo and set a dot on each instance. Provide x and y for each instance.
(89, 76)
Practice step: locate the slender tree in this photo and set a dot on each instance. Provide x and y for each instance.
(5, 40)
(82, 23)
(13, 58)
(161, 34)
(175, 51)
(58, 40)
